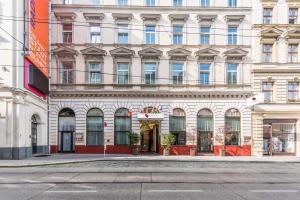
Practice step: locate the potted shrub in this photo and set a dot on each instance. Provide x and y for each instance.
(134, 140)
(167, 142)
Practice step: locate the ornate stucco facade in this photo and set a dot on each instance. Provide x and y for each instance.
(276, 76)
(176, 41)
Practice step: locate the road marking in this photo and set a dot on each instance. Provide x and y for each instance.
(175, 191)
(274, 191)
(72, 191)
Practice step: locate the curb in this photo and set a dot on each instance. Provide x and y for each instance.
(138, 159)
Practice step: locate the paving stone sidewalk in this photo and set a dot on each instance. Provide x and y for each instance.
(78, 158)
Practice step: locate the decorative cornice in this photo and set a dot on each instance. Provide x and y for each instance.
(179, 53)
(94, 16)
(65, 16)
(206, 19)
(150, 52)
(179, 17)
(234, 19)
(207, 54)
(151, 17)
(122, 16)
(148, 94)
(121, 52)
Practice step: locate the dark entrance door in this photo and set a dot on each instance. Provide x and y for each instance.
(67, 141)
(34, 135)
(205, 143)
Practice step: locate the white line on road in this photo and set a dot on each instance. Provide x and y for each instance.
(175, 191)
(72, 191)
(274, 191)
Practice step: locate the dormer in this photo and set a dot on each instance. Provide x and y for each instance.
(122, 52)
(206, 19)
(65, 16)
(179, 17)
(94, 17)
(122, 16)
(234, 20)
(207, 54)
(236, 54)
(150, 53)
(179, 54)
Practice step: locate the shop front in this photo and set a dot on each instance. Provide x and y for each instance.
(279, 137)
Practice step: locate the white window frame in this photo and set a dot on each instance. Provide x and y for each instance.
(96, 25)
(95, 71)
(120, 30)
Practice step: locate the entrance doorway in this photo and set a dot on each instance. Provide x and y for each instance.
(67, 142)
(205, 131)
(279, 137)
(66, 128)
(34, 131)
(150, 137)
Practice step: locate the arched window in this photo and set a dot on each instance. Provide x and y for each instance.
(205, 130)
(94, 127)
(122, 126)
(177, 126)
(66, 120)
(232, 127)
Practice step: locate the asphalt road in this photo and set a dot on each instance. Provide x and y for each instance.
(153, 181)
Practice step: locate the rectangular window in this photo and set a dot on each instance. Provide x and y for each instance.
(123, 73)
(95, 2)
(177, 2)
(205, 3)
(232, 3)
(267, 52)
(177, 73)
(232, 73)
(268, 91)
(95, 33)
(67, 33)
(67, 73)
(150, 34)
(177, 34)
(94, 73)
(67, 1)
(293, 91)
(122, 2)
(150, 2)
(123, 33)
(293, 15)
(293, 53)
(232, 35)
(94, 130)
(204, 35)
(267, 15)
(150, 73)
(204, 73)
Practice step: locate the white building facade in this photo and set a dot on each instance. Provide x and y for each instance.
(151, 67)
(23, 114)
(276, 37)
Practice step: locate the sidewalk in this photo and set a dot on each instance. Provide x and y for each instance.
(77, 158)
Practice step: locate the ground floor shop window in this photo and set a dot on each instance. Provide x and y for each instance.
(279, 137)
(232, 127)
(122, 126)
(177, 126)
(94, 135)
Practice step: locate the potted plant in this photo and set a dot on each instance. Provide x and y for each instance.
(167, 142)
(134, 140)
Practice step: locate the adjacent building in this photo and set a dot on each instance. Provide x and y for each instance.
(23, 79)
(276, 37)
(151, 67)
